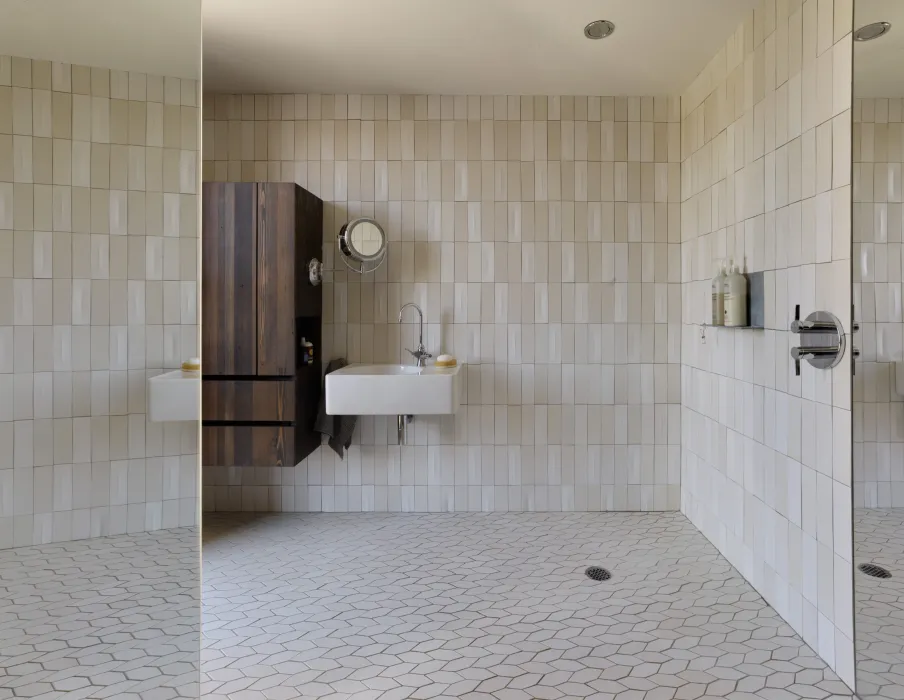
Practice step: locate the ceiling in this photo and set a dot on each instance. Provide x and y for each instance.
(461, 46)
(162, 37)
(879, 64)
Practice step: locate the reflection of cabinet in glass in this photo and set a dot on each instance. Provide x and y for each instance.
(259, 399)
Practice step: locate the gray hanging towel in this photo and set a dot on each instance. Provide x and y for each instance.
(339, 429)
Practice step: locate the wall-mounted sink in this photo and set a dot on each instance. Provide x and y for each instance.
(174, 396)
(390, 390)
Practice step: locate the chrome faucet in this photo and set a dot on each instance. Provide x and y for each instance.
(421, 353)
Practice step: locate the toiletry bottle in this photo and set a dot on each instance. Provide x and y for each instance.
(718, 293)
(736, 298)
(726, 272)
(308, 348)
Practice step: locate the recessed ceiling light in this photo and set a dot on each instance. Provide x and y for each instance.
(872, 31)
(599, 29)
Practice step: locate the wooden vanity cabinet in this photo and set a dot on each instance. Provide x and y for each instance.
(259, 398)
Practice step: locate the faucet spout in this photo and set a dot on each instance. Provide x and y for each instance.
(420, 354)
(416, 308)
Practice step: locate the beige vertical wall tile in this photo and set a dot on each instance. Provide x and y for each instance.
(61, 77)
(463, 184)
(21, 72)
(100, 82)
(154, 87)
(81, 80)
(7, 167)
(22, 112)
(138, 87)
(119, 85)
(61, 115)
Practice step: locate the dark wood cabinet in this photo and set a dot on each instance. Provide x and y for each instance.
(248, 445)
(259, 398)
(248, 400)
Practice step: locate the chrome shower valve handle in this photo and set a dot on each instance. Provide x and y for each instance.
(822, 340)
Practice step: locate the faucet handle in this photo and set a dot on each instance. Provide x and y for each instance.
(420, 353)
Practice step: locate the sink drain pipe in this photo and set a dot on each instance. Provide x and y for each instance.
(403, 429)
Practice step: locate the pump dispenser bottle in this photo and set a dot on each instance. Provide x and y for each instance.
(718, 295)
(735, 297)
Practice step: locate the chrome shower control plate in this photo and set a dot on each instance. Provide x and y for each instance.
(822, 340)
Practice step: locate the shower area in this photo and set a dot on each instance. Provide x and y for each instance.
(628, 498)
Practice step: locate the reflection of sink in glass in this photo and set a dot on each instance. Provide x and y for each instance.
(388, 390)
(174, 396)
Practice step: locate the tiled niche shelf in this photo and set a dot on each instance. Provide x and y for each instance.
(756, 309)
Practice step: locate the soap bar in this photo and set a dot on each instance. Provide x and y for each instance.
(446, 361)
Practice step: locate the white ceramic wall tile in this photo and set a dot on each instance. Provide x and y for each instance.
(763, 179)
(75, 350)
(542, 242)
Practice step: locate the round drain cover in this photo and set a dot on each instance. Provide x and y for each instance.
(597, 573)
(874, 570)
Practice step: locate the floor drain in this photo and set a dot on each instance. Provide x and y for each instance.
(871, 570)
(597, 573)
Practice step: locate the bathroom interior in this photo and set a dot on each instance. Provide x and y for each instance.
(548, 469)
(489, 350)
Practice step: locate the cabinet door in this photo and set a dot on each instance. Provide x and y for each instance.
(248, 446)
(229, 279)
(275, 279)
(226, 400)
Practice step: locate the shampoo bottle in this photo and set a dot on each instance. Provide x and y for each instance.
(735, 298)
(718, 292)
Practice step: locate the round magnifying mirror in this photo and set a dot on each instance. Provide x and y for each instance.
(362, 240)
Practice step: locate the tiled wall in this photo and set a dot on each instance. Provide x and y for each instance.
(541, 237)
(98, 270)
(766, 458)
(878, 220)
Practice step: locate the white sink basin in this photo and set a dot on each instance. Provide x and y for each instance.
(174, 396)
(389, 390)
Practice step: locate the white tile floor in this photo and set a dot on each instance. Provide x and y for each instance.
(488, 607)
(879, 624)
(114, 617)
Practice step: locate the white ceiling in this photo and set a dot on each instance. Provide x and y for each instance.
(162, 37)
(879, 64)
(461, 46)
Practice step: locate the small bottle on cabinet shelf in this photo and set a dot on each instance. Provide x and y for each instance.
(307, 348)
